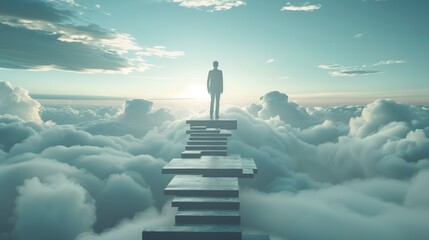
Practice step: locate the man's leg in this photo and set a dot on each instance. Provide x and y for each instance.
(217, 104)
(211, 104)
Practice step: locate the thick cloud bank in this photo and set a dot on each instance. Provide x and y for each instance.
(327, 173)
(16, 101)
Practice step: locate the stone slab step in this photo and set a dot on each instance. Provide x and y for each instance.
(191, 185)
(205, 147)
(208, 217)
(256, 237)
(219, 123)
(212, 166)
(206, 130)
(197, 127)
(194, 232)
(210, 138)
(205, 142)
(213, 152)
(206, 203)
(221, 133)
(191, 154)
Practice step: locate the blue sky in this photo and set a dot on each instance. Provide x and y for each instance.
(334, 50)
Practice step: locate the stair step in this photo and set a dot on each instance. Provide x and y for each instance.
(212, 166)
(222, 133)
(213, 153)
(206, 130)
(220, 123)
(191, 154)
(208, 217)
(191, 185)
(256, 237)
(206, 203)
(210, 138)
(205, 142)
(198, 127)
(205, 147)
(194, 232)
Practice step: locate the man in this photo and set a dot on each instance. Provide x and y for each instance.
(215, 87)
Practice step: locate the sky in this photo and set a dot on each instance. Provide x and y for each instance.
(318, 52)
(331, 100)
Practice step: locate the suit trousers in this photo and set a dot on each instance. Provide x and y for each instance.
(214, 96)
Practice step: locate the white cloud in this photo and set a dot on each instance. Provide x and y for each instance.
(303, 8)
(64, 206)
(389, 62)
(16, 101)
(330, 66)
(212, 5)
(359, 35)
(270, 60)
(352, 73)
(160, 51)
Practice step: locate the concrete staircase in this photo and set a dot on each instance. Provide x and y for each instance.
(206, 187)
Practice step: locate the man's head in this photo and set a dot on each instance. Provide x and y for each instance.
(215, 64)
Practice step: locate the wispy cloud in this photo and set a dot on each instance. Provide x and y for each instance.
(307, 7)
(389, 62)
(359, 35)
(270, 60)
(211, 5)
(329, 66)
(160, 51)
(351, 71)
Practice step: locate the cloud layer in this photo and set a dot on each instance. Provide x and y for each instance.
(331, 173)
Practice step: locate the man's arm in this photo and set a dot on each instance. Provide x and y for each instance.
(221, 82)
(208, 83)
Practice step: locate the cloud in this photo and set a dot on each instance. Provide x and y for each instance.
(40, 10)
(307, 7)
(17, 102)
(136, 118)
(359, 35)
(132, 229)
(389, 62)
(380, 113)
(160, 51)
(352, 73)
(270, 60)
(55, 39)
(372, 208)
(277, 104)
(57, 209)
(212, 5)
(330, 66)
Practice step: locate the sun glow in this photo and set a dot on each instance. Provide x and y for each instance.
(196, 91)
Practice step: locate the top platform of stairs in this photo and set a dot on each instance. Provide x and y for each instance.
(229, 124)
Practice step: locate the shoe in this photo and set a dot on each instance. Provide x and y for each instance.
(211, 117)
(217, 117)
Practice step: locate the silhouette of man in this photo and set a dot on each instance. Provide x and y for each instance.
(215, 87)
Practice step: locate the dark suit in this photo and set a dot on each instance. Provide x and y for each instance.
(215, 88)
